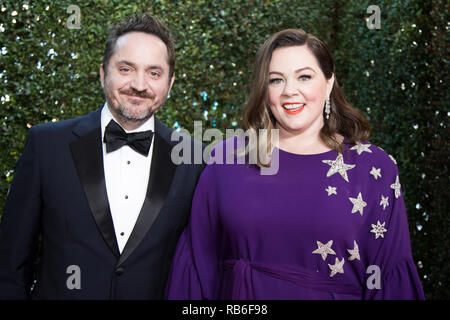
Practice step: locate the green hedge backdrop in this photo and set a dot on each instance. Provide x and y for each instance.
(397, 75)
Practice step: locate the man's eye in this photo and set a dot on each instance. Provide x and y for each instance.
(124, 69)
(154, 74)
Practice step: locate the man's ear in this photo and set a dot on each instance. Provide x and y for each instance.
(102, 76)
(171, 83)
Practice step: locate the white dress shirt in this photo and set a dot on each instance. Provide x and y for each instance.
(126, 177)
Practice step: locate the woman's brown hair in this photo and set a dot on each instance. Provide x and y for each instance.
(344, 119)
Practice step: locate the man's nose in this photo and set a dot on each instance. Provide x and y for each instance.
(139, 82)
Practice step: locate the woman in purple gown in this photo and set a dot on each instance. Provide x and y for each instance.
(330, 223)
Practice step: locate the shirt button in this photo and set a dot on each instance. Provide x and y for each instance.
(126, 197)
(119, 271)
(122, 233)
(128, 162)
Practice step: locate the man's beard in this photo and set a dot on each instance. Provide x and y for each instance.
(130, 114)
(124, 112)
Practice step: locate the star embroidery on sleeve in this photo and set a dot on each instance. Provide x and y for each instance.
(358, 204)
(375, 172)
(378, 229)
(396, 186)
(337, 267)
(338, 165)
(324, 249)
(392, 158)
(360, 148)
(354, 253)
(384, 202)
(331, 190)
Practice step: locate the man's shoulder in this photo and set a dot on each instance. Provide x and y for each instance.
(62, 125)
(173, 137)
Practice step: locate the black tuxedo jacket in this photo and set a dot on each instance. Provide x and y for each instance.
(57, 203)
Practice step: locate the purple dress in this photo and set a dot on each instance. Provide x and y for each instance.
(326, 226)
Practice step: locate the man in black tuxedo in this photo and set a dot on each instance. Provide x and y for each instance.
(101, 191)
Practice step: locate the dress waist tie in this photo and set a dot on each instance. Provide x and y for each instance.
(243, 290)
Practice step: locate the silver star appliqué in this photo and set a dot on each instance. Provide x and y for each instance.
(354, 253)
(375, 172)
(338, 165)
(331, 190)
(358, 204)
(384, 202)
(392, 158)
(324, 249)
(396, 186)
(378, 229)
(360, 148)
(338, 267)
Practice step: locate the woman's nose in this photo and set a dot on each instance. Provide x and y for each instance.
(290, 89)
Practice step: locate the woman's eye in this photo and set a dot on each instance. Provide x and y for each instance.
(305, 77)
(275, 80)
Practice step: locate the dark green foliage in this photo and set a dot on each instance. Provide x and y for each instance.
(397, 75)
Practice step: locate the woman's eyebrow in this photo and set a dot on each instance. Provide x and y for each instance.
(296, 71)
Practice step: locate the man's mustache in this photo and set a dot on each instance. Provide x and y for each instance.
(141, 94)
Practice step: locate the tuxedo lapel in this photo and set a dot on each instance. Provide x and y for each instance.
(161, 175)
(87, 154)
(88, 158)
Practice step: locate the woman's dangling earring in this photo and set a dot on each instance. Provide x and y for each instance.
(327, 109)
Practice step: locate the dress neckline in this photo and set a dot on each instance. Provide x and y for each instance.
(312, 155)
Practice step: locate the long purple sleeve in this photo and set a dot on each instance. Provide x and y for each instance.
(325, 226)
(195, 269)
(399, 277)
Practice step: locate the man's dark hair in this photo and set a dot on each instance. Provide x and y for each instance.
(140, 23)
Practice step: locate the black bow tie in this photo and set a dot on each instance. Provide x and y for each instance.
(116, 137)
